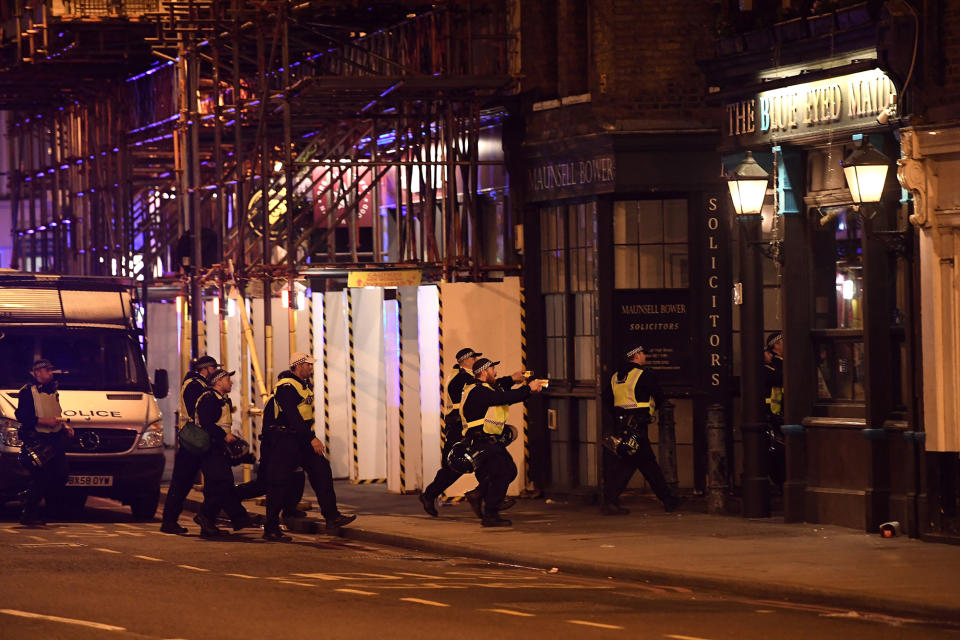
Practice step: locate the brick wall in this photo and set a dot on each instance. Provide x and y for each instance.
(944, 100)
(637, 58)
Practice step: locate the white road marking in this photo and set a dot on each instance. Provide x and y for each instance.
(598, 625)
(241, 575)
(191, 567)
(431, 603)
(319, 576)
(135, 534)
(299, 584)
(678, 637)
(764, 611)
(150, 558)
(419, 575)
(510, 612)
(81, 623)
(105, 550)
(356, 591)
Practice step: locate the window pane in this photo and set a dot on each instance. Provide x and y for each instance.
(840, 371)
(556, 358)
(625, 222)
(651, 266)
(584, 352)
(650, 224)
(626, 267)
(674, 220)
(677, 267)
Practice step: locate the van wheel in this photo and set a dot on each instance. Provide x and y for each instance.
(144, 506)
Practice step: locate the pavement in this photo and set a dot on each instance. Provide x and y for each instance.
(759, 558)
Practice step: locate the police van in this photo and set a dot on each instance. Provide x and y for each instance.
(85, 327)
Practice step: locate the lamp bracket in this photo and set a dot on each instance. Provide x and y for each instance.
(770, 249)
(899, 242)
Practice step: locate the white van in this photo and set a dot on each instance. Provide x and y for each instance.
(85, 327)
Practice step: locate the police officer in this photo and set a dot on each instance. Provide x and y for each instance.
(213, 414)
(633, 390)
(293, 443)
(186, 464)
(483, 412)
(453, 431)
(38, 412)
(773, 400)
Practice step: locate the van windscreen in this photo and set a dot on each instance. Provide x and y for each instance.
(89, 358)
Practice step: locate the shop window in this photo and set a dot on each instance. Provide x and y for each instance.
(568, 282)
(650, 244)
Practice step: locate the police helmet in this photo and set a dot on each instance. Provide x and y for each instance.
(460, 459)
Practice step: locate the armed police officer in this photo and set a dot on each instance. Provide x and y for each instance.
(484, 412)
(214, 415)
(43, 433)
(288, 431)
(453, 432)
(773, 400)
(628, 446)
(185, 463)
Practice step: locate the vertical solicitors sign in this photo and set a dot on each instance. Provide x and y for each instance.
(716, 300)
(811, 107)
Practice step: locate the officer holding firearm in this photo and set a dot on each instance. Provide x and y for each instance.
(484, 412)
(773, 399)
(42, 430)
(453, 430)
(288, 431)
(629, 447)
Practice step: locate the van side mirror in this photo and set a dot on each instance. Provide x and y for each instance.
(161, 383)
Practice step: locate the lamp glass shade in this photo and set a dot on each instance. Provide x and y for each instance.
(748, 186)
(747, 195)
(866, 181)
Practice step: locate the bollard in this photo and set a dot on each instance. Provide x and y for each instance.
(667, 457)
(717, 486)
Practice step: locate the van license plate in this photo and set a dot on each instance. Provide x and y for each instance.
(90, 481)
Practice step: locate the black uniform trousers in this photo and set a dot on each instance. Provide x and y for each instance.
(290, 451)
(185, 468)
(218, 489)
(776, 449)
(495, 471)
(445, 475)
(619, 469)
(258, 486)
(47, 481)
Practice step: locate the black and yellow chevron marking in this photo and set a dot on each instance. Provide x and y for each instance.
(443, 433)
(523, 366)
(326, 378)
(452, 500)
(353, 384)
(403, 452)
(370, 481)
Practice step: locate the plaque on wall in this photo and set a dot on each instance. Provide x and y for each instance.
(658, 319)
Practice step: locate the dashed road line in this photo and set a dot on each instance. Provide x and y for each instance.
(73, 621)
(678, 637)
(511, 612)
(431, 603)
(598, 625)
(359, 592)
(150, 558)
(241, 575)
(192, 568)
(105, 550)
(299, 584)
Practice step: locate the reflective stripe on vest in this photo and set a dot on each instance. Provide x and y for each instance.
(225, 421)
(450, 405)
(305, 406)
(492, 421)
(46, 405)
(623, 397)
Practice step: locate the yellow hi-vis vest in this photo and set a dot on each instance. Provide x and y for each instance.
(225, 420)
(184, 415)
(305, 406)
(449, 406)
(623, 397)
(775, 400)
(46, 405)
(493, 421)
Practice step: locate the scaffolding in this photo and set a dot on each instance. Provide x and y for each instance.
(215, 141)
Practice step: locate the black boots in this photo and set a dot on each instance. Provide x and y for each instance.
(207, 528)
(430, 506)
(275, 535)
(340, 521)
(173, 528)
